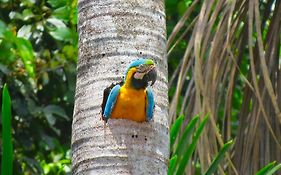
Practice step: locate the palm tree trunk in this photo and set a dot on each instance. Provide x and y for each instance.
(112, 33)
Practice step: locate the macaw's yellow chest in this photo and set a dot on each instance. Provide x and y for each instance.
(130, 105)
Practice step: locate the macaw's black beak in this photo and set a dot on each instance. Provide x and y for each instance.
(151, 76)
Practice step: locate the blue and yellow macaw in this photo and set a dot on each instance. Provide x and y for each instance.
(133, 99)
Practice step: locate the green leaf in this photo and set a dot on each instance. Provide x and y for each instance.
(172, 164)
(2, 28)
(48, 141)
(70, 52)
(171, 3)
(24, 16)
(4, 69)
(54, 23)
(190, 149)
(25, 50)
(54, 109)
(186, 135)
(7, 155)
(175, 130)
(62, 13)
(212, 168)
(62, 34)
(273, 170)
(24, 31)
(32, 163)
(181, 8)
(265, 169)
(74, 16)
(27, 14)
(56, 3)
(51, 112)
(4, 1)
(269, 169)
(6, 50)
(27, 3)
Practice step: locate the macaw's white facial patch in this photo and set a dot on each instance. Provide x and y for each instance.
(139, 75)
(142, 70)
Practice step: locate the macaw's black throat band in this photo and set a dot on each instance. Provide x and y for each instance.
(143, 83)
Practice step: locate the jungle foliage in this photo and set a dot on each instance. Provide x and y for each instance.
(38, 53)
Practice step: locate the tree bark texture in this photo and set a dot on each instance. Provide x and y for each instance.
(112, 33)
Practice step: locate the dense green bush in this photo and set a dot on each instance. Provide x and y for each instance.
(38, 53)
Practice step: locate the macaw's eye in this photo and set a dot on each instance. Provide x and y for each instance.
(140, 67)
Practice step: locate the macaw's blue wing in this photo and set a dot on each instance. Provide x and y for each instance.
(110, 103)
(149, 104)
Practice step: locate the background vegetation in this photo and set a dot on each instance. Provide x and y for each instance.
(224, 60)
(38, 53)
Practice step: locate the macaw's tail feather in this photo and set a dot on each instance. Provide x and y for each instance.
(106, 93)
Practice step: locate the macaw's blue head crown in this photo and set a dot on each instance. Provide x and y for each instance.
(145, 72)
(139, 62)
